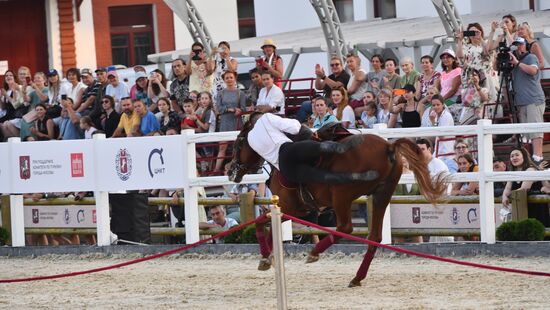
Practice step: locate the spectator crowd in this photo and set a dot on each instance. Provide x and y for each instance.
(203, 95)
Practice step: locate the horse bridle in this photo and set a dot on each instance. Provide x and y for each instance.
(237, 161)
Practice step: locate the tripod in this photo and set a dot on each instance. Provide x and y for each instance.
(506, 83)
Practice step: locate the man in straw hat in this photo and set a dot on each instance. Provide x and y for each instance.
(271, 62)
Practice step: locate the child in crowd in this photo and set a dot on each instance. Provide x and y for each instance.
(206, 120)
(368, 117)
(87, 125)
(189, 120)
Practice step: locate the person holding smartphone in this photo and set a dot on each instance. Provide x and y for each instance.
(474, 55)
(224, 62)
(200, 69)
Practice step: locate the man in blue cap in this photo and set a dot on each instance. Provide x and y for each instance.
(529, 95)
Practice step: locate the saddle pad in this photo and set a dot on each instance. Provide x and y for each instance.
(332, 132)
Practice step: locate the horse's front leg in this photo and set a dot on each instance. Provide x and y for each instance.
(343, 224)
(375, 234)
(265, 243)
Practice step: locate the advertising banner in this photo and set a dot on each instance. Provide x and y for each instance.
(428, 216)
(4, 164)
(140, 163)
(52, 166)
(60, 216)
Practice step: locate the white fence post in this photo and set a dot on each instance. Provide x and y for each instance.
(278, 255)
(486, 193)
(17, 221)
(386, 223)
(191, 194)
(16, 206)
(103, 220)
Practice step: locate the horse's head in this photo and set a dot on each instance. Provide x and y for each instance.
(245, 159)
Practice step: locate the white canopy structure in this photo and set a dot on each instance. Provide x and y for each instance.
(374, 36)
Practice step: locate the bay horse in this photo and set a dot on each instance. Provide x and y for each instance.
(374, 153)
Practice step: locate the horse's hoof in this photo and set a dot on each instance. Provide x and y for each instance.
(312, 259)
(354, 283)
(265, 264)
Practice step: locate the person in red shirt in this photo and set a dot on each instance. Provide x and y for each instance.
(189, 120)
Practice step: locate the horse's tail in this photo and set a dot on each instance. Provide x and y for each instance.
(432, 189)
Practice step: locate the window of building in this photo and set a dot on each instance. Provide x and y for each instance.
(385, 9)
(247, 21)
(344, 8)
(132, 37)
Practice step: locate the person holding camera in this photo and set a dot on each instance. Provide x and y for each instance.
(223, 62)
(474, 55)
(200, 69)
(474, 97)
(529, 95)
(509, 27)
(407, 108)
(69, 128)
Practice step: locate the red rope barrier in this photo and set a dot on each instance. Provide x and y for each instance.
(409, 252)
(135, 261)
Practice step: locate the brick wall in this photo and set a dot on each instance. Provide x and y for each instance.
(164, 31)
(67, 39)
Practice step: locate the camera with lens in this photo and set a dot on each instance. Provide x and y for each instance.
(503, 57)
(196, 55)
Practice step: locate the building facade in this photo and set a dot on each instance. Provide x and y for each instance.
(62, 34)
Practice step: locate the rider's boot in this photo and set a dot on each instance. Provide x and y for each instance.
(333, 147)
(349, 177)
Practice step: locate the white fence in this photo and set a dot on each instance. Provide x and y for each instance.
(104, 165)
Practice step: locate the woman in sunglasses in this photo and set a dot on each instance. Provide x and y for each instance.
(109, 117)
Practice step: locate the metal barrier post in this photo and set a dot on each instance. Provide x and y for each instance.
(101, 203)
(191, 194)
(278, 255)
(386, 223)
(486, 192)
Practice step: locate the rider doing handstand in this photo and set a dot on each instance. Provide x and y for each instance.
(296, 160)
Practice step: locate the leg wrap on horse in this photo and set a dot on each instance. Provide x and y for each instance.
(325, 243)
(365, 264)
(265, 248)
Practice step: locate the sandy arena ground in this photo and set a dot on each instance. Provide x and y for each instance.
(232, 282)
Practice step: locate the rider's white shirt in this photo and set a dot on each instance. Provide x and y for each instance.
(268, 135)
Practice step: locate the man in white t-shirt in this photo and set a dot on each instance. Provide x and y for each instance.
(116, 89)
(435, 165)
(219, 220)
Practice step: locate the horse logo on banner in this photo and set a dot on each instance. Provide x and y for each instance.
(123, 164)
